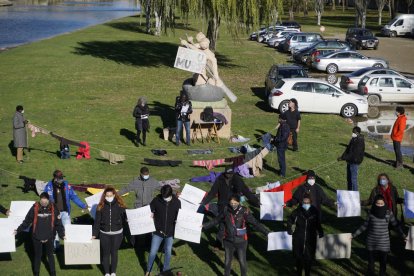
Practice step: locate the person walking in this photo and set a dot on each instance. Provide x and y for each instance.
(235, 218)
(397, 135)
(19, 133)
(183, 109)
(164, 208)
(353, 155)
(141, 114)
(304, 225)
(378, 238)
(293, 120)
(281, 143)
(45, 220)
(108, 227)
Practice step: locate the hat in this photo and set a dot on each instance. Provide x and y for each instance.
(58, 174)
(44, 195)
(310, 173)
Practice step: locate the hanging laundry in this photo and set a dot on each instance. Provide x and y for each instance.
(172, 182)
(256, 163)
(64, 141)
(84, 187)
(162, 163)
(84, 152)
(36, 129)
(239, 139)
(159, 152)
(267, 141)
(209, 164)
(200, 151)
(236, 161)
(234, 149)
(288, 187)
(220, 117)
(243, 170)
(207, 178)
(250, 155)
(268, 186)
(113, 158)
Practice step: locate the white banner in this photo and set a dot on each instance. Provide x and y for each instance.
(349, 203)
(192, 194)
(190, 60)
(279, 241)
(188, 205)
(410, 239)
(408, 204)
(334, 246)
(78, 233)
(7, 242)
(140, 220)
(93, 202)
(18, 212)
(188, 226)
(271, 205)
(82, 253)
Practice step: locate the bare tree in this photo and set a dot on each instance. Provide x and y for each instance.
(319, 9)
(409, 3)
(380, 5)
(361, 12)
(291, 13)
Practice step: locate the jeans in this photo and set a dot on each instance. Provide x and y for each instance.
(229, 248)
(65, 217)
(282, 161)
(110, 245)
(352, 176)
(382, 260)
(155, 245)
(38, 252)
(397, 150)
(180, 129)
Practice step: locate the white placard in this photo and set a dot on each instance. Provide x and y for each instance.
(190, 60)
(140, 220)
(410, 239)
(279, 241)
(77, 233)
(20, 208)
(408, 204)
(7, 241)
(93, 202)
(188, 226)
(334, 246)
(82, 253)
(188, 205)
(271, 205)
(192, 194)
(349, 203)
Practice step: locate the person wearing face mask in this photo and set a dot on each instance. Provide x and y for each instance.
(164, 208)
(235, 218)
(45, 221)
(353, 155)
(183, 109)
(397, 135)
(141, 114)
(19, 133)
(378, 237)
(385, 188)
(61, 194)
(108, 227)
(315, 191)
(304, 225)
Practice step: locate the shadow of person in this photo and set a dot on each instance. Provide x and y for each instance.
(165, 112)
(131, 136)
(13, 150)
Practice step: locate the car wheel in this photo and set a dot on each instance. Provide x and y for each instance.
(373, 112)
(283, 106)
(378, 65)
(374, 100)
(349, 111)
(393, 34)
(331, 78)
(331, 68)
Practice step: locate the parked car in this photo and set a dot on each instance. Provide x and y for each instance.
(301, 40)
(400, 25)
(254, 35)
(316, 96)
(272, 30)
(280, 36)
(327, 45)
(350, 81)
(291, 25)
(344, 61)
(282, 43)
(278, 72)
(386, 88)
(361, 38)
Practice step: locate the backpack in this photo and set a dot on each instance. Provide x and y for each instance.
(207, 114)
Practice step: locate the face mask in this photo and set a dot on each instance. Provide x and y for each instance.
(396, 113)
(383, 182)
(168, 199)
(306, 206)
(234, 206)
(59, 181)
(44, 203)
(354, 135)
(109, 198)
(311, 181)
(145, 177)
(22, 111)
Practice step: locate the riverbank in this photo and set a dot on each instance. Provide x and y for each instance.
(5, 3)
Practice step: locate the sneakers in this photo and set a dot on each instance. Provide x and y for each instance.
(107, 274)
(113, 274)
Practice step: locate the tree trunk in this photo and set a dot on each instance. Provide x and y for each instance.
(212, 31)
(363, 20)
(157, 23)
(319, 17)
(379, 17)
(291, 15)
(333, 5)
(393, 9)
(305, 8)
(390, 8)
(148, 16)
(343, 5)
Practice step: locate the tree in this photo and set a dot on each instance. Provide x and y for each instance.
(380, 5)
(319, 9)
(409, 3)
(361, 12)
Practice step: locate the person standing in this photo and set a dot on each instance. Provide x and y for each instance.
(61, 194)
(378, 238)
(183, 109)
(397, 135)
(304, 225)
(19, 133)
(353, 155)
(141, 114)
(235, 218)
(45, 220)
(164, 208)
(108, 227)
(281, 143)
(293, 120)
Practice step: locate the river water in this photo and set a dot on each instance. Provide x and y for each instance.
(31, 20)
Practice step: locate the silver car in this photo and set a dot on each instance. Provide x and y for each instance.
(280, 36)
(345, 61)
(301, 40)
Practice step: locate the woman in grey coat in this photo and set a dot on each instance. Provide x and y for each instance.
(378, 238)
(19, 132)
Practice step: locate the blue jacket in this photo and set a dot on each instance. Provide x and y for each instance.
(70, 195)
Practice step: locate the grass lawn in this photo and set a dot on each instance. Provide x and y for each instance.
(84, 86)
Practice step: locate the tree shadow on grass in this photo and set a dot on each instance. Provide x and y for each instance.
(137, 28)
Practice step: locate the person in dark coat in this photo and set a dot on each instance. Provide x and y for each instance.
(304, 225)
(141, 114)
(281, 143)
(108, 227)
(353, 155)
(19, 133)
(385, 188)
(293, 120)
(45, 221)
(378, 238)
(165, 208)
(183, 109)
(235, 218)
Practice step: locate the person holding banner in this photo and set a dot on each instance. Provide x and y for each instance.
(45, 220)
(108, 227)
(304, 225)
(141, 114)
(165, 208)
(235, 218)
(378, 238)
(183, 109)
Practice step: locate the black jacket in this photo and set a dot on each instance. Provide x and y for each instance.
(282, 135)
(225, 186)
(165, 215)
(354, 152)
(317, 194)
(109, 219)
(241, 216)
(306, 227)
(396, 199)
(3, 210)
(43, 230)
(178, 114)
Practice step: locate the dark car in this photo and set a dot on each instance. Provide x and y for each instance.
(361, 38)
(291, 24)
(325, 46)
(278, 72)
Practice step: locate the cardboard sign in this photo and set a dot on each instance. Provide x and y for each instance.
(349, 203)
(192, 194)
(188, 226)
(190, 60)
(140, 220)
(334, 246)
(82, 253)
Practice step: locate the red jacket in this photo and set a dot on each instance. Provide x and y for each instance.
(398, 128)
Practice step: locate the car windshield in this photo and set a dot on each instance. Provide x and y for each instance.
(279, 84)
(360, 72)
(291, 73)
(367, 33)
(364, 80)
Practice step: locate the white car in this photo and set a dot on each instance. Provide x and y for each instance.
(317, 96)
(386, 88)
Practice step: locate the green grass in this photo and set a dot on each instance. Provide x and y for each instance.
(84, 86)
